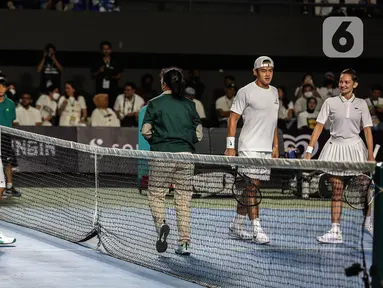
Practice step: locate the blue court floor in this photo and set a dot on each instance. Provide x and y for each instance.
(38, 260)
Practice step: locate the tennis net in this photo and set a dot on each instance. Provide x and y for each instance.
(76, 192)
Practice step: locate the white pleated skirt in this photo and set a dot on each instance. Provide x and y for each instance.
(344, 150)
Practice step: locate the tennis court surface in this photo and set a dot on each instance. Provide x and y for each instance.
(101, 228)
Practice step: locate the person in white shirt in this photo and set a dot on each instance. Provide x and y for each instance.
(329, 88)
(128, 105)
(48, 105)
(190, 94)
(346, 114)
(307, 119)
(307, 79)
(375, 105)
(103, 116)
(286, 109)
(258, 103)
(307, 91)
(71, 107)
(223, 105)
(26, 115)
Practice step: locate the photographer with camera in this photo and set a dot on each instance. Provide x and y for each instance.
(50, 68)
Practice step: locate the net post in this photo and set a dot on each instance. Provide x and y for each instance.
(377, 256)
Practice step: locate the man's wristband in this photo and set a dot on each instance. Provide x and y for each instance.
(230, 142)
(309, 150)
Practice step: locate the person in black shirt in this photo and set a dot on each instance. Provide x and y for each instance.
(107, 73)
(50, 68)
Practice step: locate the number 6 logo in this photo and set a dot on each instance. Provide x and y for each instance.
(342, 37)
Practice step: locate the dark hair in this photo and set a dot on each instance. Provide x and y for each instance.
(174, 80)
(52, 88)
(26, 93)
(71, 83)
(307, 74)
(285, 100)
(130, 84)
(307, 85)
(107, 43)
(48, 46)
(229, 77)
(312, 98)
(352, 73)
(376, 87)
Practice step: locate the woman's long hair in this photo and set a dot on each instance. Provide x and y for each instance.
(71, 84)
(174, 80)
(285, 100)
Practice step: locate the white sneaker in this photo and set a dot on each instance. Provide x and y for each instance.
(260, 236)
(331, 237)
(4, 240)
(238, 232)
(369, 229)
(183, 249)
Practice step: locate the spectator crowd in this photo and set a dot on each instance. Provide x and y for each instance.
(120, 107)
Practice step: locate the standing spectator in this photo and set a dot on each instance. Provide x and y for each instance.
(47, 104)
(194, 81)
(107, 72)
(103, 116)
(190, 94)
(329, 88)
(72, 107)
(26, 115)
(375, 105)
(286, 109)
(305, 93)
(307, 119)
(50, 68)
(146, 90)
(128, 105)
(223, 105)
(307, 79)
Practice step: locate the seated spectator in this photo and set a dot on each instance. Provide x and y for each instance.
(128, 105)
(307, 79)
(375, 105)
(223, 105)
(194, 81)
(286, 109)
(12, 93)
(190, 94)
(72, 107)
(26, 115)
(47, 104)
(103, 116)
(146, 90)
(307, 119)
(305, 93)
(329, 88)
(325, 10)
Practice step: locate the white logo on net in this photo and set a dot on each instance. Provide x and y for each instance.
(301, 140)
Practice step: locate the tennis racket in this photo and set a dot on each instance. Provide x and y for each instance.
(359, 191)
(245, 191)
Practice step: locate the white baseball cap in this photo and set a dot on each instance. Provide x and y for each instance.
(259, 63)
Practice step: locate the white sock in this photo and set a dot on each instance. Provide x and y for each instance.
(368, 221)
(256, 222)
(239, 219)
(335, 227)
(9, 185)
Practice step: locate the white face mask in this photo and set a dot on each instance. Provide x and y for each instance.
(56, 96)
(13, 91)
(308, 94)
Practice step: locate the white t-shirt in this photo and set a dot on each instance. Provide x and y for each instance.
(48, 107)
(224, 103)
(27, 117)
(259, 109)
(125, 106)
(200, 109)
(104, 118)
(372, 105)
(72, 113)
(301, 105)
(307, 119)
(346, 117)
(283, 112)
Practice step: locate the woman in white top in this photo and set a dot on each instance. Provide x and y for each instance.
(71, 107)
(346, 115)
(307, 119)
(103, 116)
(286, 109)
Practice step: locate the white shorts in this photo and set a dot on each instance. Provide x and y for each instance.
(258, 173)
(2, 177)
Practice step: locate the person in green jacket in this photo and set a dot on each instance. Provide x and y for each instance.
(171, 124)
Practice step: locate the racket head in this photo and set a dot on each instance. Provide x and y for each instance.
(357, 190)
(245, 192)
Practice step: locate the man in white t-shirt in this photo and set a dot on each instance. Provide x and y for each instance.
(258, 103)
(26, 115)
(223, 105)
(128, 105)
(47, 105)
(190, 94)
(375, 105)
